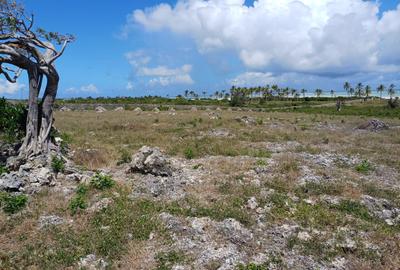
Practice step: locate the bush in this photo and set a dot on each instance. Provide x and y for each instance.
(57, 164)
(78, 202)
(364, 167)
(3, 170)
(12, 203)
(12, 120)
(102, 181)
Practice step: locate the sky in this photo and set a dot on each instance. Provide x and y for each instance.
(137, 48)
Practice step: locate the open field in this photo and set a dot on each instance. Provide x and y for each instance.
(254, 190)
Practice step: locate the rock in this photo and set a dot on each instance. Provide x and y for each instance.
(214, 116)
(156, 110)
(235, 232)
(43, 176)
(220, 133)
(382, 209)
(100, 109)
(65, 109)
(91, 262)
(47, 221)
(246, 120)
(252, 203)
(100, 205)
(138, 110)
(171, 109)
(194, 109)
(150, 161)
(374, 125)
(11, 182)
(304, 236)
(119, 109)
(218, 109)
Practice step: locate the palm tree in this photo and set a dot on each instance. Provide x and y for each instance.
(351, 91)
(359, 90)
(332, 93)
(368, 91)
(318, 92)
(186, 93)
(347, 87)
(304, 91)
(391, 90)
(380, 90)
(204, 94)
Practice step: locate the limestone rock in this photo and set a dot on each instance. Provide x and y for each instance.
(150, 161)
(374, 125)
(91, 262)
(11, 182)
(52, 220)
(100, 109)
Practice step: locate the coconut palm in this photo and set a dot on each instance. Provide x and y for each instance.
(332, 93)
(392, 90)
(380, 90)
(368, 91)
(304, 91)
(347, 87)
(318, 92)
(359, 90)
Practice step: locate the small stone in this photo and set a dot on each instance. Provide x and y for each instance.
(304, 236)
(52, 220)
(252, 203)
(91, 262)
(100, 205)
(11, 182)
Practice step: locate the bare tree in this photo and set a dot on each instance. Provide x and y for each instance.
(33, 51)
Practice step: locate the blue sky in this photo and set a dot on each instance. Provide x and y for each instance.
(135, 48)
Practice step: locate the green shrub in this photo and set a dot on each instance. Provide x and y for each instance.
(3, 170)
(189, 153)
(12, 120)
(12, 203)
(102, 181)
(57, 164)
(364, 167)
(77, 203)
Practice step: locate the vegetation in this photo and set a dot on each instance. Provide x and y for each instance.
(12, 204)
(12, 121)
(57, 164)
(102, 181)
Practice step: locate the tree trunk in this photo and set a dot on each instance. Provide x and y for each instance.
(29, 145)
(46, 122)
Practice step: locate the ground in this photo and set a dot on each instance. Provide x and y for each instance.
(249, 190)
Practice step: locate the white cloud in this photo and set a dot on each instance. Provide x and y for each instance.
(129, 86)
(316, 36)
(9, 88)
(158, 75)
(90, 88)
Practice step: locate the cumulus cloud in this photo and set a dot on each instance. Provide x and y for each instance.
(328, 37)
(158, 75)
(90, 88)
(9, 88)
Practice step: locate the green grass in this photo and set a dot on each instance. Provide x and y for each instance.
(105, 234)
(166, 260)
(366, 110)
(102, 181)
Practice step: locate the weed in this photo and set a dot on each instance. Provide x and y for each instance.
(3, 170)
(364, 167)
(77, 203)
(101, 181)
(261, 162)
(189, 153)
(12, 204)
(57, 164)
